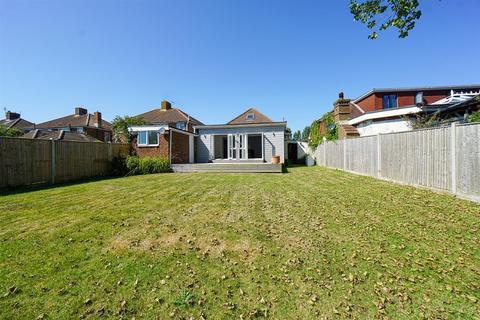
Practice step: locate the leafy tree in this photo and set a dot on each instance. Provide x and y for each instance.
(9, 132)
(474, 117)
(305, 133)
(120, 128)
(380, 15)
(288, 133)
(297, 135)
(331, 129)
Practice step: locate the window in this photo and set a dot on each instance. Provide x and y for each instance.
(180, 125)
(142, 138)
(419, 98)
(389, 101)
(152, 137)
(106, 137)
(250, 117)
(147, 138)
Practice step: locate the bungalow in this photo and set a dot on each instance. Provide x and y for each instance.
(167, 132)
(81, 122)
(14, 121)
(249, 137)
(171, 133)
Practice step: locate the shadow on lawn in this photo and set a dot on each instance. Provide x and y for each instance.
(5, 191)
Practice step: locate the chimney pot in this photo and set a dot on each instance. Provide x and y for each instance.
(97, 119)
(80, 111)
(9, 115)
(166, 105)
(340, 95)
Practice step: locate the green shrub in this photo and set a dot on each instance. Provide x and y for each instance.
(119, 166)
(153, 165)
(132, 165)
(474, 117)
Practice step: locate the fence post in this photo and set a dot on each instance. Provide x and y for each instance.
(379, 156)
(110, 152)
(453, 154)
(345, 154)
(324, 153)
(53, 161)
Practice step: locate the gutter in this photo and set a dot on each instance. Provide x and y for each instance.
(246, 125)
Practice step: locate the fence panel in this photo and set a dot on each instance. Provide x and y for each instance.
(28, 162)
(468, 159)
(420, 158)
(361, 155)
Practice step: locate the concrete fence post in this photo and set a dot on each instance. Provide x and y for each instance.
(54, 166)
(379, 155)
(453, 155)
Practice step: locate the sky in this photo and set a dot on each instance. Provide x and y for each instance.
(215, 58)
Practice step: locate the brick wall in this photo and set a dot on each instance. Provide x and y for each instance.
(162, 150)
(97, 134)
(180, 148)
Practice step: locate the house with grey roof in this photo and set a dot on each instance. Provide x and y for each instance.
(81, 122)
(14, 120)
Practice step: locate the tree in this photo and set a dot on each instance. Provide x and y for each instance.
(120, 128)
(288, 133)
(474, 117)
(400, 14)
(9, 132)
(305, 133)
(297, 136)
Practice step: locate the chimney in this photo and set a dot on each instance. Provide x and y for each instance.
(340, 95)
(341, 109)
(9, 115)
(166, 105)
(97, 119)
(80, 111)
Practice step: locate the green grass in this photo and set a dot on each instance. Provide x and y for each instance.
(312, 243)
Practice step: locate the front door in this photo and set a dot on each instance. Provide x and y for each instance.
(237, 146)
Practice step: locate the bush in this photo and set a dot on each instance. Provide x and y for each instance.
(132, 165)
(153, 165)
(119, 166)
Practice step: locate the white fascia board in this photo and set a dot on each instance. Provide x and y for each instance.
(160, 128)
(384, 114)
(224, 126)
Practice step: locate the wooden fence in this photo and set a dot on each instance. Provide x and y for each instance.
(30, 162)
(419, 158)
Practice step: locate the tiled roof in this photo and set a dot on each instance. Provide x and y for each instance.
(19, 123)
(59, 135)
(243, 118)
(158, 115)
(74, 120)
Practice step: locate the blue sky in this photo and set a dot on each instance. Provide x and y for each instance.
(215, 58)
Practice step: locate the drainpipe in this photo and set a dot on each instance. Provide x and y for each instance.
(170, 146)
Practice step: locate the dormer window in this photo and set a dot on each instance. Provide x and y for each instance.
(250, 117)
(180, 125)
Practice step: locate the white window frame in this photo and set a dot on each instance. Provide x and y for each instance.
(147, 144)
(248, 115)
(183, 123)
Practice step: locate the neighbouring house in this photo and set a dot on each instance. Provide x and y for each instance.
(460, 111)
(249, 137)
(14, 120)
(167, 132)
(393, 109)
(59, 135)
(81, 122)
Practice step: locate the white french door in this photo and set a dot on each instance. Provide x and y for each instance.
(237, 146)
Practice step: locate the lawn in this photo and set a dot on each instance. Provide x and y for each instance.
(312, 243)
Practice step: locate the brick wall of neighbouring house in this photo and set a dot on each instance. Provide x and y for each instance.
(162, 150)
(180, 149)
(98, 134)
